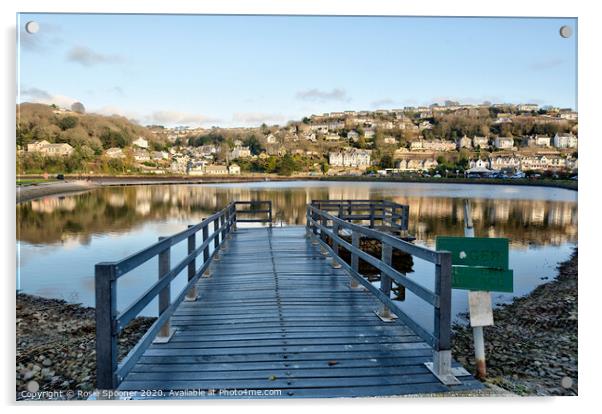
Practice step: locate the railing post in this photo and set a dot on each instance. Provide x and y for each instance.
(106, 335)
(307, 222)
(314, 215)
(335, 246)
(216, 241)
(191, 296)
(355, 260)
(405, 212)
(349, 211)
(341, 210)
(324, 223)
(234, 228)
(206, 249)
(228, 235)
(166, 332)
(385, 281)
(442, 357)
(222, 226)
(371, 215)
(270, 212)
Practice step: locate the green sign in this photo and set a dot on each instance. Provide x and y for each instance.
(478, 263)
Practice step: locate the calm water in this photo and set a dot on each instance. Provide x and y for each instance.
(61, 238)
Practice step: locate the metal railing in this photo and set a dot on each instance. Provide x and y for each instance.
(322, 226)
(391, 216)
(109, 322)
(255, 208)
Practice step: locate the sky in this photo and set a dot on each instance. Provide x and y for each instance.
(233, 71)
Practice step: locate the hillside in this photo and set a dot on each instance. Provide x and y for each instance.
(36, 122)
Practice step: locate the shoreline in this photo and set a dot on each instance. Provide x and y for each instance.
(56, 348)
(532, 347)
(33, 191)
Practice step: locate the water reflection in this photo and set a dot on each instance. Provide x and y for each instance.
(523, 217)
(61, 238)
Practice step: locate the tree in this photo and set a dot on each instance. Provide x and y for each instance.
(324, 167)
(386, 161)
(67, 122)
(254, 145)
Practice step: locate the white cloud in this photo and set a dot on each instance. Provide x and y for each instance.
(176, 117)
(546, 64)
(317, 95)
(382, 102)
(257, 118)
(88, 57)
(38, 95)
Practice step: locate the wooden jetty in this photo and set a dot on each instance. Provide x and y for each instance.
(274, 312)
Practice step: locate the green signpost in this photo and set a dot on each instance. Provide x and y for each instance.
(478, 263)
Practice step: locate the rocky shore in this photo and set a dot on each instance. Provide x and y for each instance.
(56, 345)
(532, 349)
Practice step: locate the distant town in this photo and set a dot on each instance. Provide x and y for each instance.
(485, 140)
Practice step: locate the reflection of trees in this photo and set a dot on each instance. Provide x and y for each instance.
(119, 209)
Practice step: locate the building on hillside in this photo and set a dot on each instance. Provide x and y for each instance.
(240, 152)
(389, 140)
(503, 142)
(36, 146)
(51, 150)
(528, 107)
(564, 140)
(271, 139)
(542, 140)
(463, 142)
(350, 157)
(216, 170)
(141, 155)
(115, 152)
(141, 143)
(332, 137)
(233, 169)
(505, 162)
(480, 142)
(416, 162)
(353, 135)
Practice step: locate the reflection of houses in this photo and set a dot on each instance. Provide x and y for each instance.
(49, 205)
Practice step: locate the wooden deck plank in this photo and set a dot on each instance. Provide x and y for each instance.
(276, 315)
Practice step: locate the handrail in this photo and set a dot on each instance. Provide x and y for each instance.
(254, 211)
(110, 322)
(391, 215)
(321, 225)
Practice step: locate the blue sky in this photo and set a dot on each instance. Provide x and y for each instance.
(245, 70)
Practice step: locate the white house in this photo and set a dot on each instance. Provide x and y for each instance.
(114, 153)
(141, 143)
(351, 157)
(564, 140)
(233, 169)
(503, 143)
(240, 152)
